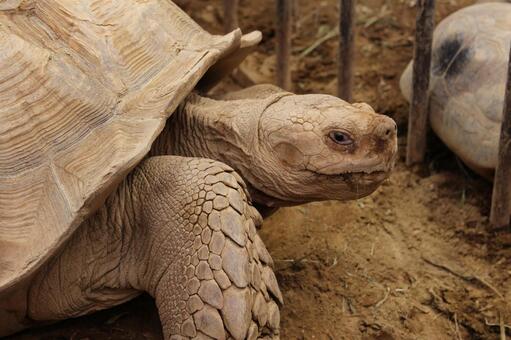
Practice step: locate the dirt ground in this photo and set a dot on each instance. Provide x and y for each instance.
(412, 261)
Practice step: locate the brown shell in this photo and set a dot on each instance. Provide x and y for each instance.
(85, 86)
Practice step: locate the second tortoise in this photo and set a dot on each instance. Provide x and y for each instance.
(468, 78)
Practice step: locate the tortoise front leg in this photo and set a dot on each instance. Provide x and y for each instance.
(207, 267)
(182, 230)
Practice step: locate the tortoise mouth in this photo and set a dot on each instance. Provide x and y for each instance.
(360, 182)
(360, 177)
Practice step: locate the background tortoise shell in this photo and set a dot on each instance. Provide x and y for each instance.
(468, 76)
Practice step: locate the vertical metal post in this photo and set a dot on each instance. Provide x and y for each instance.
(230, 15)
(501, 198)
(418, 118)
(284, 30)
(345, 54)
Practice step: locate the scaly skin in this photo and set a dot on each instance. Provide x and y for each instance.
(281, 143)
(182, 230)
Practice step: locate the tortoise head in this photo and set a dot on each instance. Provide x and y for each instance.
(318, 147)
(290, 149)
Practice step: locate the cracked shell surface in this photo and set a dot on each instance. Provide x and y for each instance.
(126, 87)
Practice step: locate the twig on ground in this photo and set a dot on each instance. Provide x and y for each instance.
(329, 35)
(382, 301)
(384, 11)
(299, 22)
(467, 277)
(422, 310)
(352, 308)
(301, 259)
(502, 328)
(296, 260)
(457, 327)
(486, 308)
(497, 324)
(487, 284)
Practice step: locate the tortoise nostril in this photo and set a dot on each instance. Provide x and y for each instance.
(385, 128)
(384, 135)
(391, 129)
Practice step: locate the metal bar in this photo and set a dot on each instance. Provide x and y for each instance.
(501, 198)
(418, 118)
(230, 15)
(345, 54)
(284, 30)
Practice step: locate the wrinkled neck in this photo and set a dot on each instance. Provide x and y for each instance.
(227, 131)
(208, 128)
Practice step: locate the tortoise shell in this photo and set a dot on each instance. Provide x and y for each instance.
(86, 86)
(468, 76)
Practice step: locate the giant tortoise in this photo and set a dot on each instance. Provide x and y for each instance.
(102, 197)
(468, 76)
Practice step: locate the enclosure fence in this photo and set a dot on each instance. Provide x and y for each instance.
(419, 104)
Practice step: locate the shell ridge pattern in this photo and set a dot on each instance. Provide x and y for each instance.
(87, 87)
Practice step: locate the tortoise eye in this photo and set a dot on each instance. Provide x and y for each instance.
(340, 137)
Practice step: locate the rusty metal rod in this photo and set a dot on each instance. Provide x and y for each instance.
(501, 198)
(418, 118)
(230, 15)
(345, 54)
(284, 31)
